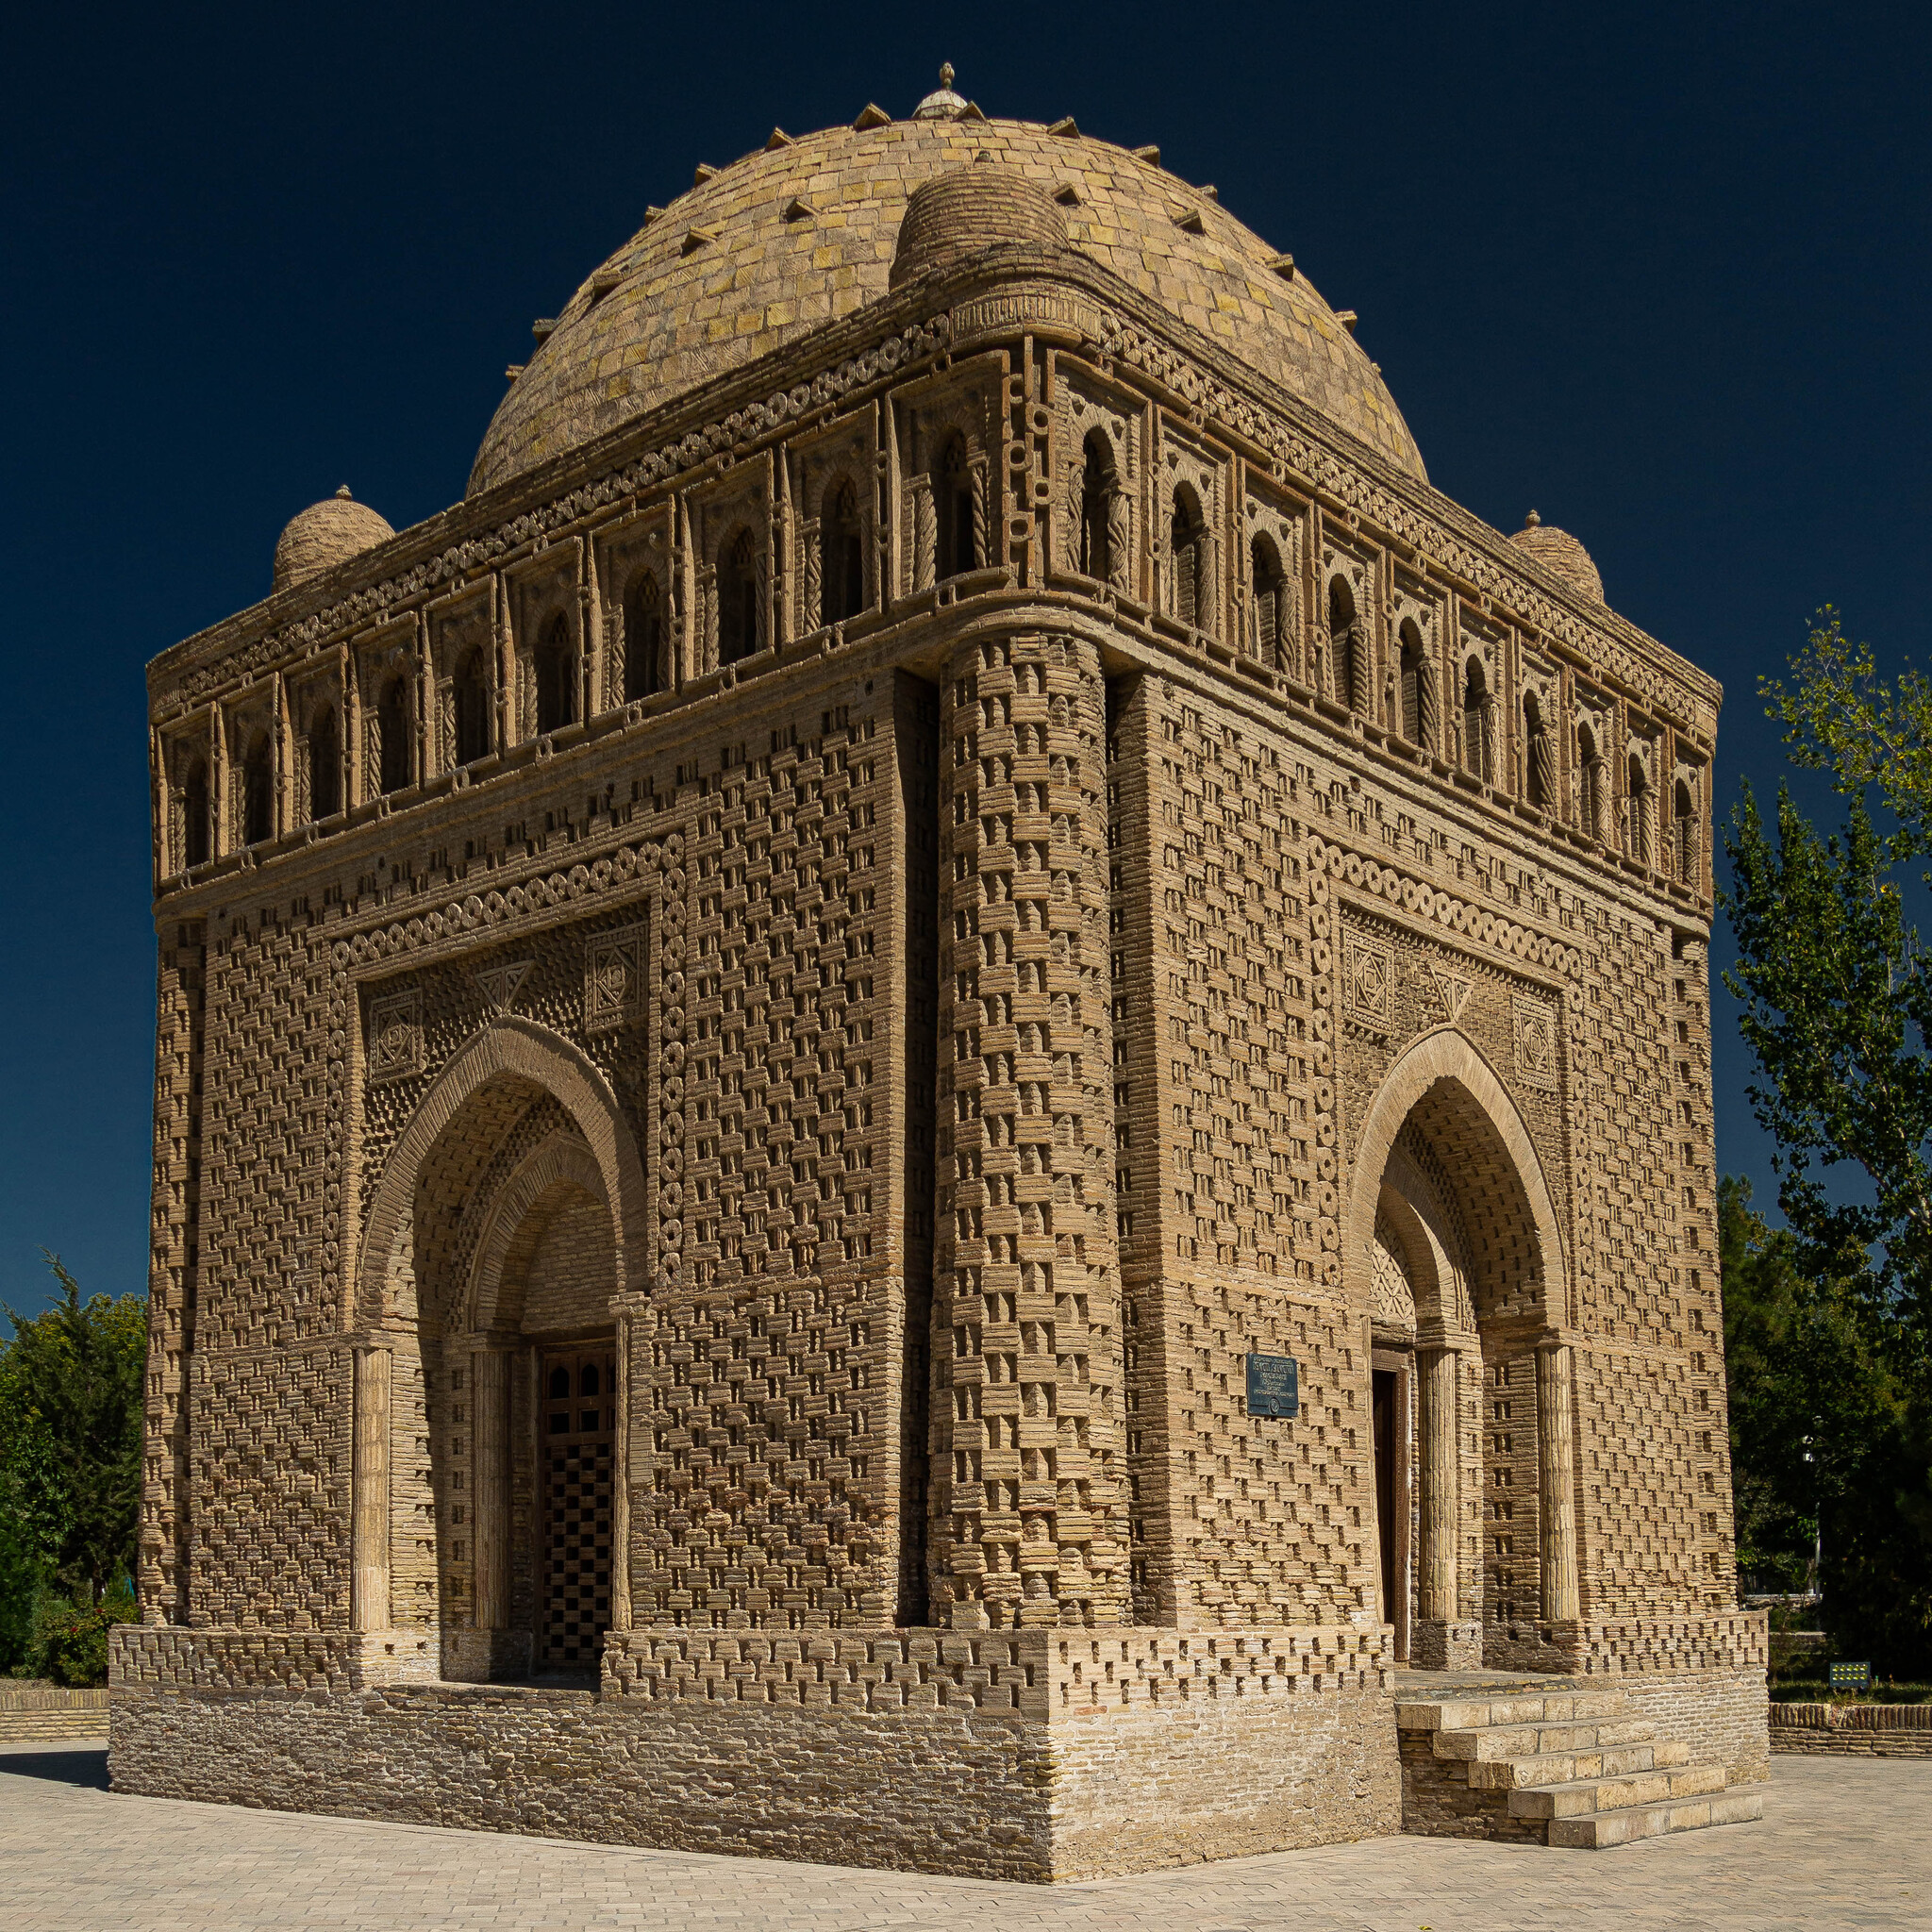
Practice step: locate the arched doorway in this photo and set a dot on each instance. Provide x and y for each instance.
(491, 1392)
(1456, 1252)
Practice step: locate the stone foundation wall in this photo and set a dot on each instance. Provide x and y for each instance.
(1034, 1755)
(1720, 1714)
(1852, 1730)
(50, 1710)
(968, 1794)
(1438, 1802)
(1221, 1778)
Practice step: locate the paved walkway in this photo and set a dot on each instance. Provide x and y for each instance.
(1846, 1842)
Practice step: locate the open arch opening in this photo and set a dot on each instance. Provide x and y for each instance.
(1100, 552)
(1268, 594)
(324, 762)
(739, 624)
(956, 520)
(196, 840)
(1454, 1244)
(258, 791)
(644, 672)
(472, 707)
(557, 677)
(394, 760)
(841, 555)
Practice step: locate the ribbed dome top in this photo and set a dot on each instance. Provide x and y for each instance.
(326, 534)
(1562, 555)
(956, 216)
(807, 231)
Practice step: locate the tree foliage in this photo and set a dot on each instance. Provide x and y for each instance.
(1832, 1373)
(69, 1460)
(1826, 1454)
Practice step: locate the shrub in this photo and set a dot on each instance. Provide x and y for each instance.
(71, 1640)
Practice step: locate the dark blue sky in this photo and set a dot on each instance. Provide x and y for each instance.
(1663, 278)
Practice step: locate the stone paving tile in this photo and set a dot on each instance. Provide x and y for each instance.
(1845, 1843)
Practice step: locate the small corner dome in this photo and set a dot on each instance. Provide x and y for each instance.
(326, 534)
(1562, 555)
(960, 214)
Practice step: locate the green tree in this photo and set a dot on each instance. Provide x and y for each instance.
(1814, 1402)
(1837, 1009)
(70, 1454)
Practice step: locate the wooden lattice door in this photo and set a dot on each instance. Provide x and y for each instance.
(579, 1434)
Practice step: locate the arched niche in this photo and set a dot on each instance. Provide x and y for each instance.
(509, 1220)
(1447, 1188)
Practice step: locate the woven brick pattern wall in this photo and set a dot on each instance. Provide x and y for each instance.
(270, 1527)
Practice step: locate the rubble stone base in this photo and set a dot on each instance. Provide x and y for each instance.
(1118, 1754)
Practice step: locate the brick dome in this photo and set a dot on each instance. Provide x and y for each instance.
(1562, 555)
(954, 217)
(809, 231)
(326, 534)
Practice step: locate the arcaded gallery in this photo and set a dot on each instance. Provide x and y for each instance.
(941, 1098)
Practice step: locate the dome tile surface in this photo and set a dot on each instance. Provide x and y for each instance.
(732, 269)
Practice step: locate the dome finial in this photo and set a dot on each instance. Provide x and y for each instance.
(342, 491)
(943, 105)
(1532, 522)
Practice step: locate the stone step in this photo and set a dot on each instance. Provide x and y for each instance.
(1592, 1831)
(1623, 1794)
(1559, 1767)
(1482, 1713)
(1496, 1741)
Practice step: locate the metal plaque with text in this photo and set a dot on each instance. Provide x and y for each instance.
(1273, 1385)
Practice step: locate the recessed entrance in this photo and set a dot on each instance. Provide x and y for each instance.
(1474, 1471)
(577, 1425)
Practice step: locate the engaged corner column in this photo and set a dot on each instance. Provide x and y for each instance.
(1030, 1527)
(369, 1608)
(1557, 1484)
(1437, 1592)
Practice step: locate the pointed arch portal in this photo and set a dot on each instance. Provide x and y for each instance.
(1454, 1240)
(509, 1221)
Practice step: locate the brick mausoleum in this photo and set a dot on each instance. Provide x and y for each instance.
(761, 1025)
